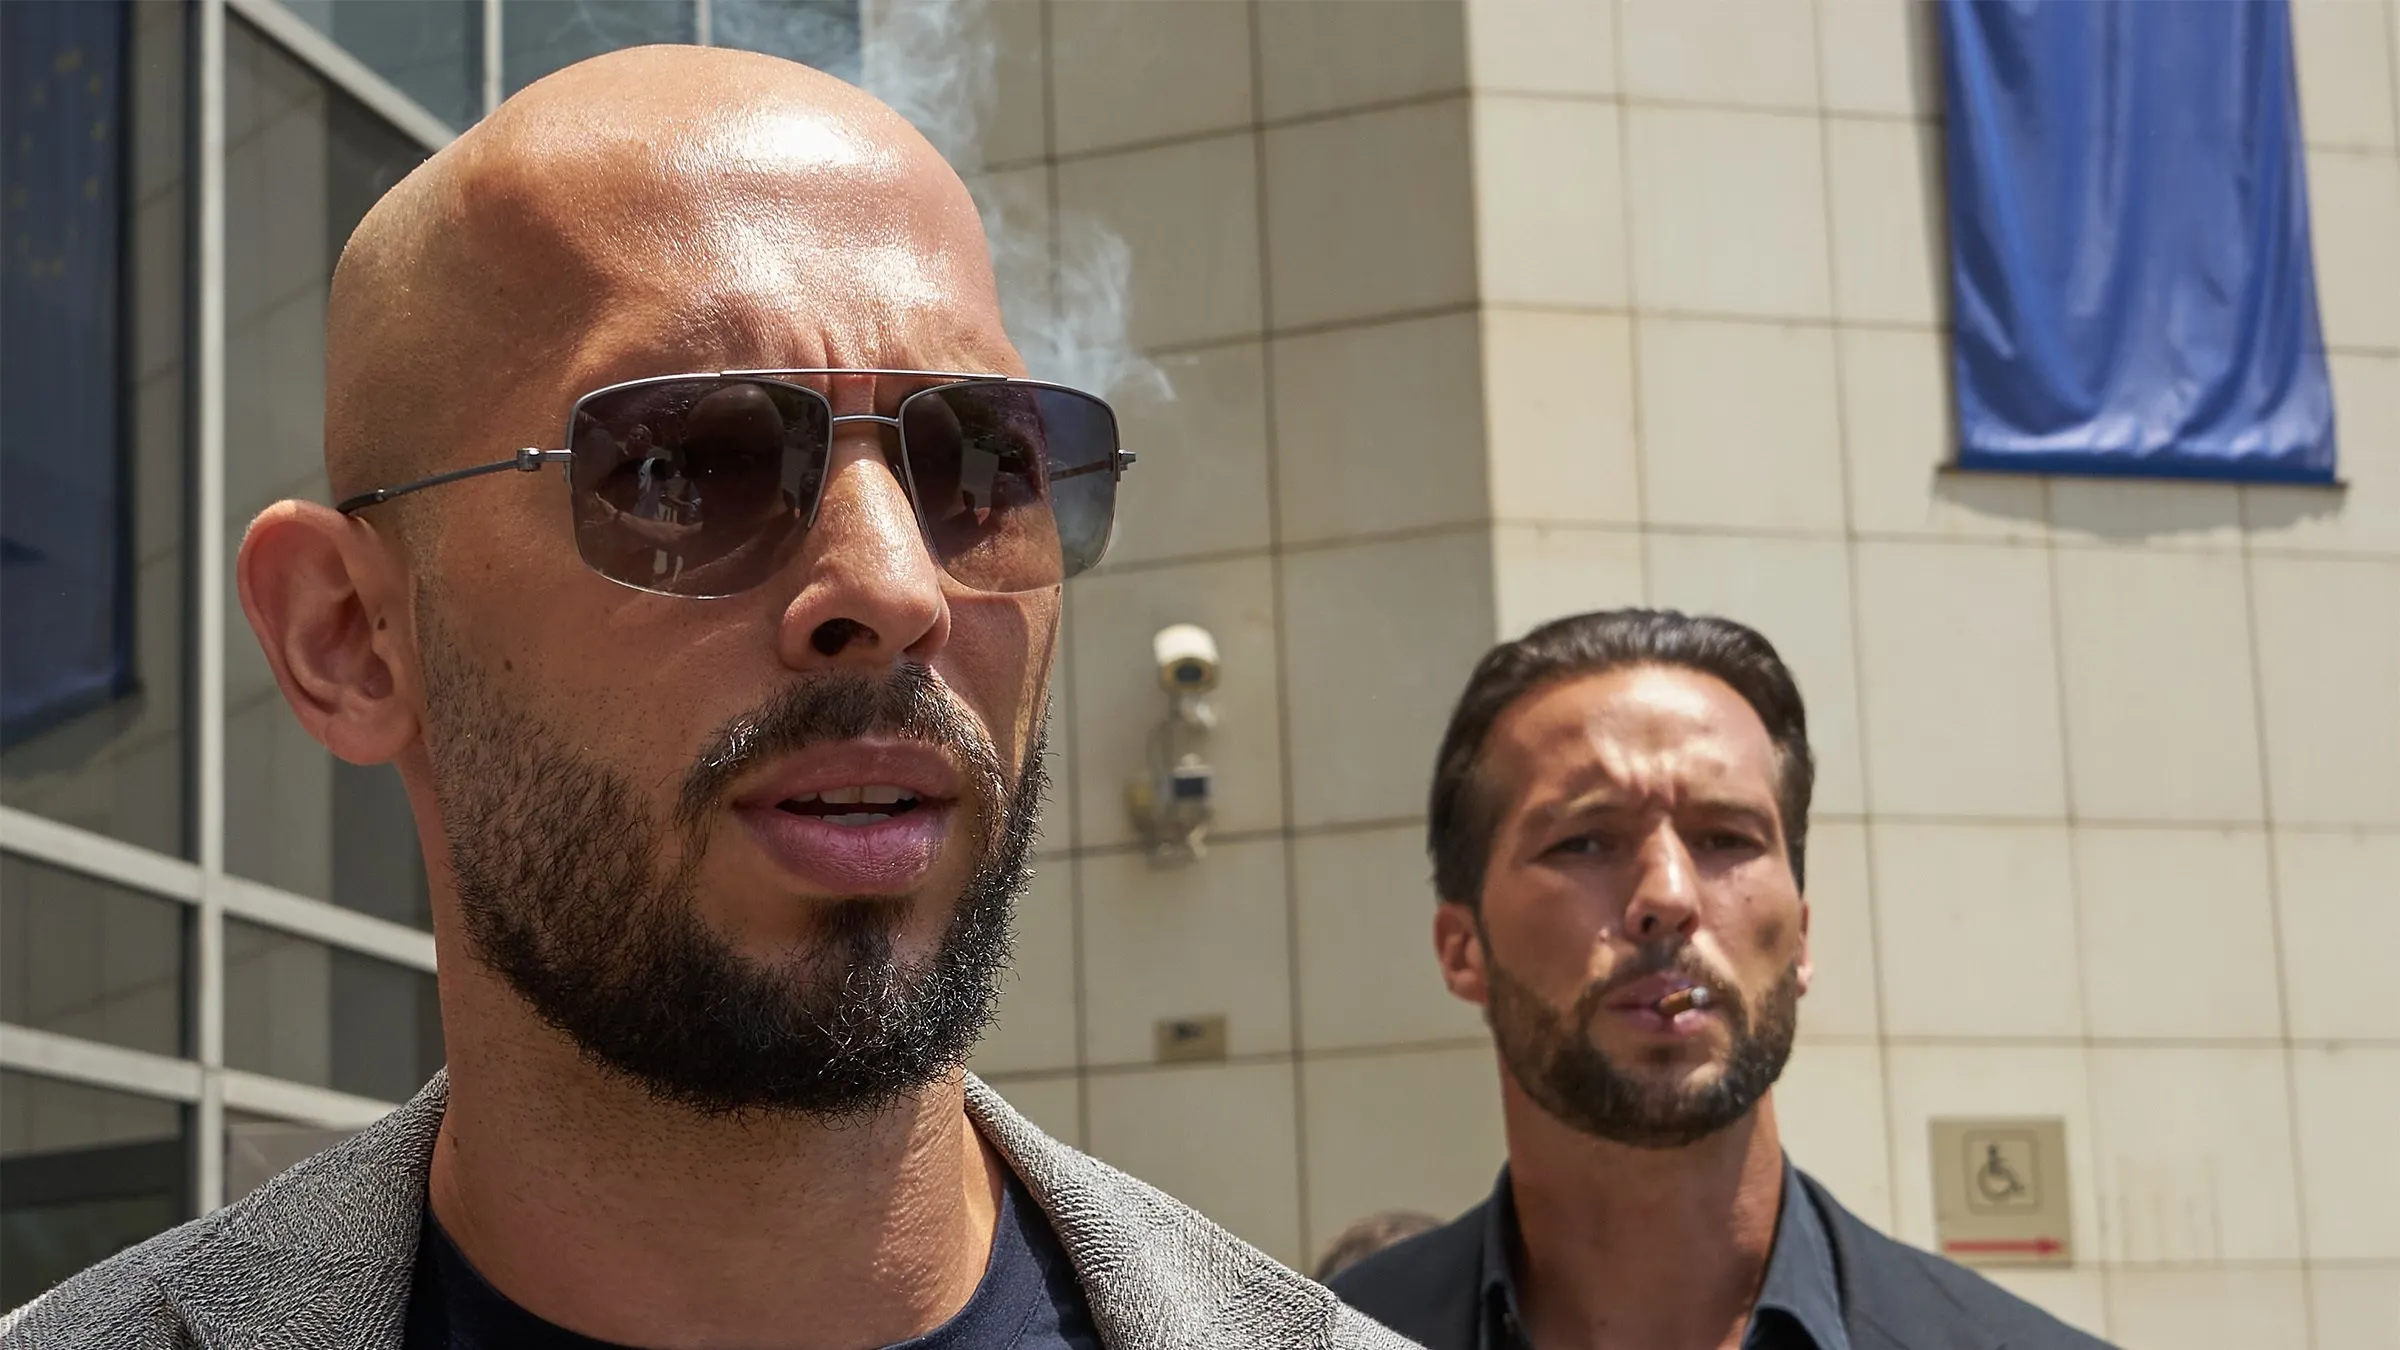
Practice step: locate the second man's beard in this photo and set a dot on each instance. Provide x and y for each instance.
(1552, 1057)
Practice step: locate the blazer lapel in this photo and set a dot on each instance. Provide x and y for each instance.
(323, 1254)
(1888, 1304)
(1156, 1275)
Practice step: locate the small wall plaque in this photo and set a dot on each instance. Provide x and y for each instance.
(1182, 1040)
(2000, 1192)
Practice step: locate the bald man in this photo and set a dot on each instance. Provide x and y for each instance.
(725, 766)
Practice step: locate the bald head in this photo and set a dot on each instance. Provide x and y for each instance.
(649, 211)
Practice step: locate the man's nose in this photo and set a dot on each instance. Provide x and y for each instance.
(1666, 889)
(871, 592)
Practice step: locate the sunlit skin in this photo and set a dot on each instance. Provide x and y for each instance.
(1636, 807)
(652, 212)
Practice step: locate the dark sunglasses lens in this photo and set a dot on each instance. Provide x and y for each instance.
(697, 487)
(1017, 482)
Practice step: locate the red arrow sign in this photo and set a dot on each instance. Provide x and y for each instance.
(2012, 1246)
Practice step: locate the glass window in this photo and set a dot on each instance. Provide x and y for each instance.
(84, 1174)
(820, 33)
(303, 163)
(258, 1147)
(301, 1010)
(432, 50)
(540, 36)
(86, 957)
(93, 409)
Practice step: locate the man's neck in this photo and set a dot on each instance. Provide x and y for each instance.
(601, 1210)
(1630, 1247)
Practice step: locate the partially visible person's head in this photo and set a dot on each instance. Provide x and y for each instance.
(732, 788)
(1368, 1236)
(1620, 810)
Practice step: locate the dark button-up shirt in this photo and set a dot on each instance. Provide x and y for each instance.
(1799, 1303)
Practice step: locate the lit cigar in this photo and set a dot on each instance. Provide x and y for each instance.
(1683, 1000)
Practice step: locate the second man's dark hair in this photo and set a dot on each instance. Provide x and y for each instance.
(1464, 813)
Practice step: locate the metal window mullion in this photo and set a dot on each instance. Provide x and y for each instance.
(93, 1064)
(703, 22)
(301, 1102)
(334, 63)
(208, 1173)
(97, 855)
(329, 924)
(495, 58)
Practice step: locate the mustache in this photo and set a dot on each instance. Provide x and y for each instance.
(911, 703)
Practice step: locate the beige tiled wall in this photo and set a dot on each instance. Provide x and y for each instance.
(1295, 182)
(1483, 313)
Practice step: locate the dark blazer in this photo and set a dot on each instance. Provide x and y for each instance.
(1894, 1297)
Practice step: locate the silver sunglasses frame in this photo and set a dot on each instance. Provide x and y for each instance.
(530, 459)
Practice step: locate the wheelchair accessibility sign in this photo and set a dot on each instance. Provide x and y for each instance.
(2005, 1172)
(2000, 1192)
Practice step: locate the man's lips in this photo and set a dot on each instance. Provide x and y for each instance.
(1647, 991)
(920, 771)
(856, 818)
(1637, 1003)
(887, 857)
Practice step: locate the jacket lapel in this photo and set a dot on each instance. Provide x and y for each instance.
(1887, 1303)
(1154, 1273)
(323, 1254)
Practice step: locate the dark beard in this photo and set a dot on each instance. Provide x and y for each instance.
(569, 892)
(1552, 1057)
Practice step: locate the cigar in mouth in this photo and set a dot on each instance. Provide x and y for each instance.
(1683, 1000)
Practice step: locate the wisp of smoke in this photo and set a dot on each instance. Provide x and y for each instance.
(933, 62)
(1065, 280)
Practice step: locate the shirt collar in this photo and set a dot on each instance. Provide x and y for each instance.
(1801, 1282)
(1499, 1326)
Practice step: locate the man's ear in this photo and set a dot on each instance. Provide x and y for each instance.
(324, 595)
(1807, 966)
(1458, 946)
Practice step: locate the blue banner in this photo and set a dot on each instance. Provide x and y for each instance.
(2132, 291)
(66, 573)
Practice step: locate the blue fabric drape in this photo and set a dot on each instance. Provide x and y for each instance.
(2131, 281)
(66, 583)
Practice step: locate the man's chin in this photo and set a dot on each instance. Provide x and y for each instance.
(1672, 1132)
(838, 1024)
(778, 927)
(1674, 1081)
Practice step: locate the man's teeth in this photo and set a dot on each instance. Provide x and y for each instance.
(881, 800)
(872, 794)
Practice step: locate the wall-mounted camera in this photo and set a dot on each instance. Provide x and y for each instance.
(1173, 804)
(1187, 659)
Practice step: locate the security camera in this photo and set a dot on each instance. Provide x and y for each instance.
(1173, 803)
(1187, 659)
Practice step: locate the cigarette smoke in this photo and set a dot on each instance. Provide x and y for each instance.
(1065, 278)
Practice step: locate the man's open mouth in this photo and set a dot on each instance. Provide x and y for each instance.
(857, 806)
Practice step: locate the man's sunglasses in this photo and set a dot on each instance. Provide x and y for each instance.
(704, 485)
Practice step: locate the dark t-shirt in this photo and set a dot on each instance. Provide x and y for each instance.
(1028, 1299)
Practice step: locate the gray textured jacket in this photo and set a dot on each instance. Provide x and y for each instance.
(321, 1256)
